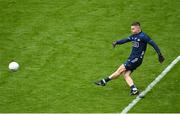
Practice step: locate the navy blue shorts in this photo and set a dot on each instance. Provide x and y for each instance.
(132, 64)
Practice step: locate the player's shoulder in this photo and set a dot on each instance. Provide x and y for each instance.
(130, 37)
(142, 34)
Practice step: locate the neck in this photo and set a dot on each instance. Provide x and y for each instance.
(138, 32)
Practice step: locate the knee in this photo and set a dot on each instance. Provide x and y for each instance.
(119, 72)
(126, 76)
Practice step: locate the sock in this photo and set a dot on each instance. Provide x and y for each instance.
(132, 87)
(107, 79)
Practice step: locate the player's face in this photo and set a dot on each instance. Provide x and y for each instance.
(135, 29)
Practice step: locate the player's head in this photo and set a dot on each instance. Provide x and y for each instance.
(135, 27)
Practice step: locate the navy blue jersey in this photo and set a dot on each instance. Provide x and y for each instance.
(139, 45)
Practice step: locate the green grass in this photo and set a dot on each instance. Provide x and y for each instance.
(64, 46)
(164, 97)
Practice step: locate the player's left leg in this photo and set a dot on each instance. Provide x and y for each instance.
(129, 81)
(114, 75)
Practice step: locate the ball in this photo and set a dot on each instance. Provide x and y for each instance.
(13, 66)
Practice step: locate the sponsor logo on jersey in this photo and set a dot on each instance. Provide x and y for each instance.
(135, 44)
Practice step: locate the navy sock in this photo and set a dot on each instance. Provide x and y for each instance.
(107, 79)
(133, 86)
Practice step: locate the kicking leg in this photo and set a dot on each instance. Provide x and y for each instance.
(115, 75)
(127, 77)
(118, 72)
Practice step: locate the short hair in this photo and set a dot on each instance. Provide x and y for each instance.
(136, 23)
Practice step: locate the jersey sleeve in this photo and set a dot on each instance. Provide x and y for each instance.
(123, 41)
(152, 43)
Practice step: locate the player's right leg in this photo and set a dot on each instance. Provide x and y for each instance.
(129, 81)
(115, 75)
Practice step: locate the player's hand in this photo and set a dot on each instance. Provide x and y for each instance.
(161, 58)
(114, 44)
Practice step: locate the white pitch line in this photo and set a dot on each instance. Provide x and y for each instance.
(150, 86)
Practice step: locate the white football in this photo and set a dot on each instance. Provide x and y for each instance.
(13, 66)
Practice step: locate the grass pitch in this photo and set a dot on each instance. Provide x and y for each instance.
(64, 46)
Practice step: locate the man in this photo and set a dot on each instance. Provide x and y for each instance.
(139, 44)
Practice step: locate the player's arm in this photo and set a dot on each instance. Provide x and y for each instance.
(154, 45)
(118, 42)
